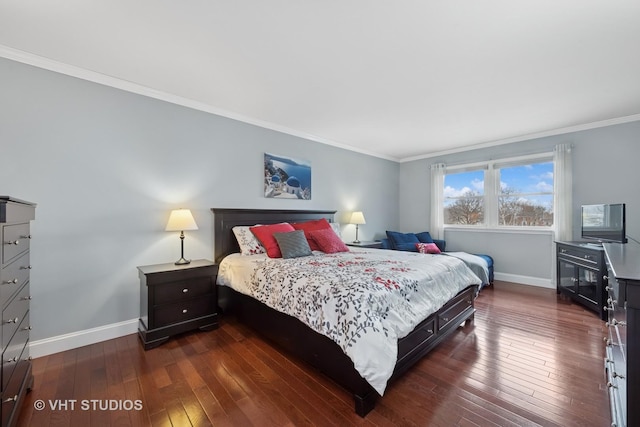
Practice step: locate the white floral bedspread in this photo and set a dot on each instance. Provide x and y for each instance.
(364, 300)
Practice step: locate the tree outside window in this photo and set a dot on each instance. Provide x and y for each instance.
(521, 197)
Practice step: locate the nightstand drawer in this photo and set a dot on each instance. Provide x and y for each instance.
(183, 311)
(182, 290)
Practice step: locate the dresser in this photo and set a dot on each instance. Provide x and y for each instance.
(16, 377)
(176, 299)
(622, 361)
(580, 274)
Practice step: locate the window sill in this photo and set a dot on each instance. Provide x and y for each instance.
(504, 230)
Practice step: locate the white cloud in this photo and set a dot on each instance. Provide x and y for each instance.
(542, 177)
(455, 192)
(544, 187)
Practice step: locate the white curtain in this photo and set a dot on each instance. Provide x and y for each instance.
(562, 194)
(437, 200)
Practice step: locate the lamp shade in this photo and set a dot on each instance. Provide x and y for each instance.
(180, 220)
(357, 218)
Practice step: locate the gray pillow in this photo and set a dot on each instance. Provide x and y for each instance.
(293, 244)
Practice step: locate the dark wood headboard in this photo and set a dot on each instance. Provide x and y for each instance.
(224, 240)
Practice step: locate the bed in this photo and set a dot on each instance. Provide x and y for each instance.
(300, 340)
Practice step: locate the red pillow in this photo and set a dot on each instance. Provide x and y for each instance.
(308, 226)
(428, 248)
(264, 233)
(328, 241)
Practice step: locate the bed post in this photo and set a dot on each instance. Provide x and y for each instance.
(364, 404)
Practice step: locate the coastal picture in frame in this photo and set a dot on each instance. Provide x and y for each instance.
(286, 177)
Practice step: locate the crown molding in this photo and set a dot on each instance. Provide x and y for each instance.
(115, 82)
(553, 132)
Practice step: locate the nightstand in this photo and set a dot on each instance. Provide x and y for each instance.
(176, 299)
(366, 244)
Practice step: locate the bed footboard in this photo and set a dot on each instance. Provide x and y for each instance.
(326, 356)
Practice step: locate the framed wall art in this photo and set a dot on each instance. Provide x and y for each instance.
(286, 177)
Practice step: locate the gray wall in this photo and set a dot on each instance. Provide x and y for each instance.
(605, 169)
(106, 166)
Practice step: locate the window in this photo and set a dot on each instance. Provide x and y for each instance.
(526, 195)
(464, 198)
(506, 193)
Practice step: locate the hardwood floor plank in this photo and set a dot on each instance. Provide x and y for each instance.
(530, 358)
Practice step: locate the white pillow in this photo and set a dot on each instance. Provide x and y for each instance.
(336, 228)
(249, 244)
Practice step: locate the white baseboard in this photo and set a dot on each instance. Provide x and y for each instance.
(47, 346)
(525, 280)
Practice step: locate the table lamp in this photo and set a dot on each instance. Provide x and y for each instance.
(357, 218)
(181, 220)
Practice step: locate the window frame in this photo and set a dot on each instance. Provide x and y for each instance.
(492, 192)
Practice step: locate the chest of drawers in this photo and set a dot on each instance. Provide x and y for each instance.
(176, 299)
(622, 362)
(15, 376)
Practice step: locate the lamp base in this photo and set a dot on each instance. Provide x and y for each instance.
(182, 261)
(356, 241)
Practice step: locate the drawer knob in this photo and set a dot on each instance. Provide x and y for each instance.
(26, 328)
(12, 320)
(446, 319)
(10, 282)
(11, 399)
(12, 242)
(28, 267)
(27, 298)
(184, 311)
(610, 385)
(606, 278)
(617, 375)
(28, 236)
(607, 288)
(430, 331)
(13, 359)
(185, 290)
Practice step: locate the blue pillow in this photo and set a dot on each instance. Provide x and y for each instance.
(409, 247)
(397, 238)
(385, 244)
(424, 237)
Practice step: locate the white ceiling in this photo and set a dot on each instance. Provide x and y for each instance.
(399, 80)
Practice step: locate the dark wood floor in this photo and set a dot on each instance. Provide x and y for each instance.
(530, 358)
